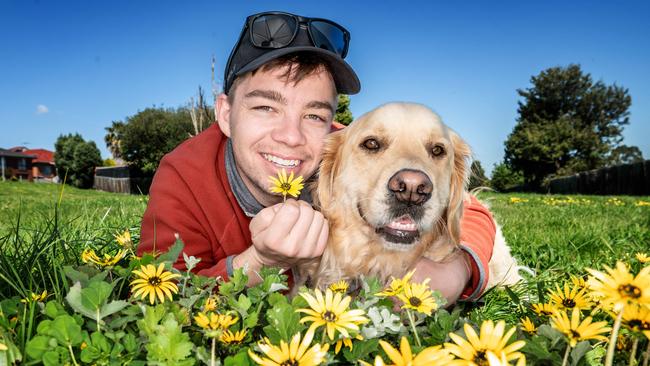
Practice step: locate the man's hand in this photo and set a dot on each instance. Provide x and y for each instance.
(449, 277)
(285, 234)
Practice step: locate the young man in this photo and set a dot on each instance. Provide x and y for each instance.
(280, 94)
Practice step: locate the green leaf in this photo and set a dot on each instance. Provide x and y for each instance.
(579, 351)
(54, 309)
(112, 308)
(595, 356)
(37, 346)
(169, 344)
(240, 359)
(283, 321)
(75, 276)
(74, 300)
(236, 284)
(66, 330)
(172, 254)
(94, 296)
(130, 343)
(52, 358)
(360, 350)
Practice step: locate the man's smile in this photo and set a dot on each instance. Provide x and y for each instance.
(283, 163)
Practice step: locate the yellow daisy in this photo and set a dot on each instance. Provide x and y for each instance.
(284, 185)
(154, 282)
(637, 319)
(341, 286)
(229, 337)
(35, 297)
(214, 321)
(569, 298)
(575, 330)
(345, 342)
(404, 356)
(619, 287)
(332, 312)
(296, 353)
(528, 326)
(419, 297)
(89, 255)
(491, 338)
(3, 347)
(642, 257)
(396, 285)
(502, 359)
(124, 239)
(545, 309)
(210, 304)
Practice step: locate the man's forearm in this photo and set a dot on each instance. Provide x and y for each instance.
(449, 277)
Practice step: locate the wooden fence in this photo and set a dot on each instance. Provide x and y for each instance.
(626, 179)
(120, 179)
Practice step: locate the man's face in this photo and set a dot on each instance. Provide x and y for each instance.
(275, 124)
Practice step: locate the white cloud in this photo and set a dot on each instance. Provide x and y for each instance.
(42, 109)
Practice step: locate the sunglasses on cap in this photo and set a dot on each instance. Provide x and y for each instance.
(278, 30)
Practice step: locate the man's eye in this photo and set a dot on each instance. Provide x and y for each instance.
(315, 117)
(263, 108)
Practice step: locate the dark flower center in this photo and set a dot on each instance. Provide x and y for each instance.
(629, 291)
(480, 358)
(569, 303)
(414, 301)
(290, 363)
(154, 281)
(329, 316)
(575, 334)
(285, 186)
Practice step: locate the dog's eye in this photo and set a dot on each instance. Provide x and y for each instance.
(437, 151)
(371, 144)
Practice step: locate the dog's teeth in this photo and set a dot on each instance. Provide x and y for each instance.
(403, 227)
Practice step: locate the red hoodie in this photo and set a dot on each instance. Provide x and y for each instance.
(190, 195)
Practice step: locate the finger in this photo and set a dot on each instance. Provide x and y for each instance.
(310, 248)
(296, 240)
(323, 236)
(261, 221)
(283, 222)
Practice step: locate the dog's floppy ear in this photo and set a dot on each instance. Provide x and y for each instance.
(459, 180)
(328, 170)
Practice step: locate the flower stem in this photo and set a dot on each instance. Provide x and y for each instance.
(565, 361)
(74, 360)
(646, 357)
(324, 334)
(635, 345)
(415, 332)
(213, 360)
(609, 361)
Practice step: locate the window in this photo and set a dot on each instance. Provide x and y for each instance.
(22, 164)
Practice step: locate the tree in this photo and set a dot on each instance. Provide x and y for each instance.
(477, 176)
(504, 179)
(567, 123)
(76, 159)
(144, 138)
(343, 113)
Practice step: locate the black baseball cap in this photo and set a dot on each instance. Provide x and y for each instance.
(269, 35)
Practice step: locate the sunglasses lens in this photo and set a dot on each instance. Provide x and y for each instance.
(328, 36)
(273, 30)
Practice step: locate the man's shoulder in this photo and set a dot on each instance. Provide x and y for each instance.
(204, 146)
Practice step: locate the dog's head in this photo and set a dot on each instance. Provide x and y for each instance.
(399, 171)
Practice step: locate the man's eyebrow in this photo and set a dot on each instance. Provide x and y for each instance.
(321, 105)
(268, 94)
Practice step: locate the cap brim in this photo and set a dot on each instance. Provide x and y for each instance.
(345, 78)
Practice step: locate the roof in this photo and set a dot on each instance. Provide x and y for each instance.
(13, 154)
(42, 155)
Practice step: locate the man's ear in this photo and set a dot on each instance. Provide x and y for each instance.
(223, 113)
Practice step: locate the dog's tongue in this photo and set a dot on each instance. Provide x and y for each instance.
(404, 223)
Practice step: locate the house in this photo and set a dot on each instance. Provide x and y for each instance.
(43, 168)
(15, 165)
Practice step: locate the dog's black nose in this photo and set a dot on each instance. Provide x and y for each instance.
(410, 186)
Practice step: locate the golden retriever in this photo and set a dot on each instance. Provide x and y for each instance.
(392, 185)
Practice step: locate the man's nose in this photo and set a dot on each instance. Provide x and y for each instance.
(290, 132)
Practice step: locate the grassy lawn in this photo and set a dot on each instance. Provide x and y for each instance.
(43, 229)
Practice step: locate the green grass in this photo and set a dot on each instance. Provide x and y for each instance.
(36, 234)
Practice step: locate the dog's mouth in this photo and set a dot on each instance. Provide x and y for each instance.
(402, 230)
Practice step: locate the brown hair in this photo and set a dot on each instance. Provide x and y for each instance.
(299, 65)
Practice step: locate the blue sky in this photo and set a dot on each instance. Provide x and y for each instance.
(75, 66)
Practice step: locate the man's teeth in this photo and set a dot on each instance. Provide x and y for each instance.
(280, 161)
